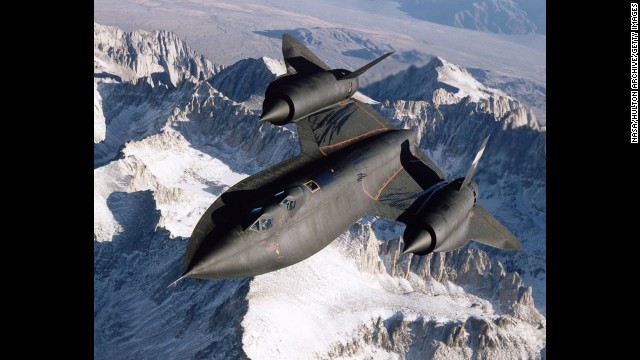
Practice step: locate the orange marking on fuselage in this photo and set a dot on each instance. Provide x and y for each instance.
(368, 113)
(343, 104)
(348, 140)
(375, 198)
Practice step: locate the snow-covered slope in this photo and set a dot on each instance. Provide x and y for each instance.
(420, 83)
(178, 146)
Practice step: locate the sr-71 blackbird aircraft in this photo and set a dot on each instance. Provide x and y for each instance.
(352, 162)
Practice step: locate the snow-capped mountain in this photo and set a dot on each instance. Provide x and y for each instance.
(158, 57)
(167, 146)
(153, 62)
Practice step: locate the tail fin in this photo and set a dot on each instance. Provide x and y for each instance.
(360, 71)
(487, 229)
(474, 165)
(298, 58)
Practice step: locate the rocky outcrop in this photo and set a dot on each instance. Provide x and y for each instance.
(159, 57)
(420, 338)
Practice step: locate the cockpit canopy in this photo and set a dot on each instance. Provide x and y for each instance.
(262, 224)
(262, 218)
(288, 203)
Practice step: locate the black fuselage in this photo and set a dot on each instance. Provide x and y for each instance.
(297, 213)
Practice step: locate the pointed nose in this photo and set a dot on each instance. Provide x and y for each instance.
(416, 241)
(220, 257)
(276, 111)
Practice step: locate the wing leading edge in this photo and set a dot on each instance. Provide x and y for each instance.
(488, 230)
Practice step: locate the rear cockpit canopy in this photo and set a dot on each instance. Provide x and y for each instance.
(289, 204)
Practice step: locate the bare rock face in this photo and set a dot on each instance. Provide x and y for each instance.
(471, 269)
(159, 57)
(465, 276)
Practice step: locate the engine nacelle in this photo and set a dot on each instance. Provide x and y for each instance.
(441, 222)
(293, 97)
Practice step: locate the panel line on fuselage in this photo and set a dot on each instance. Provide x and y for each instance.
(372, 116)
(375, 198)
(350, 140)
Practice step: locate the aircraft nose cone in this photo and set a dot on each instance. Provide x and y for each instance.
(219, 257)
(275, 111)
